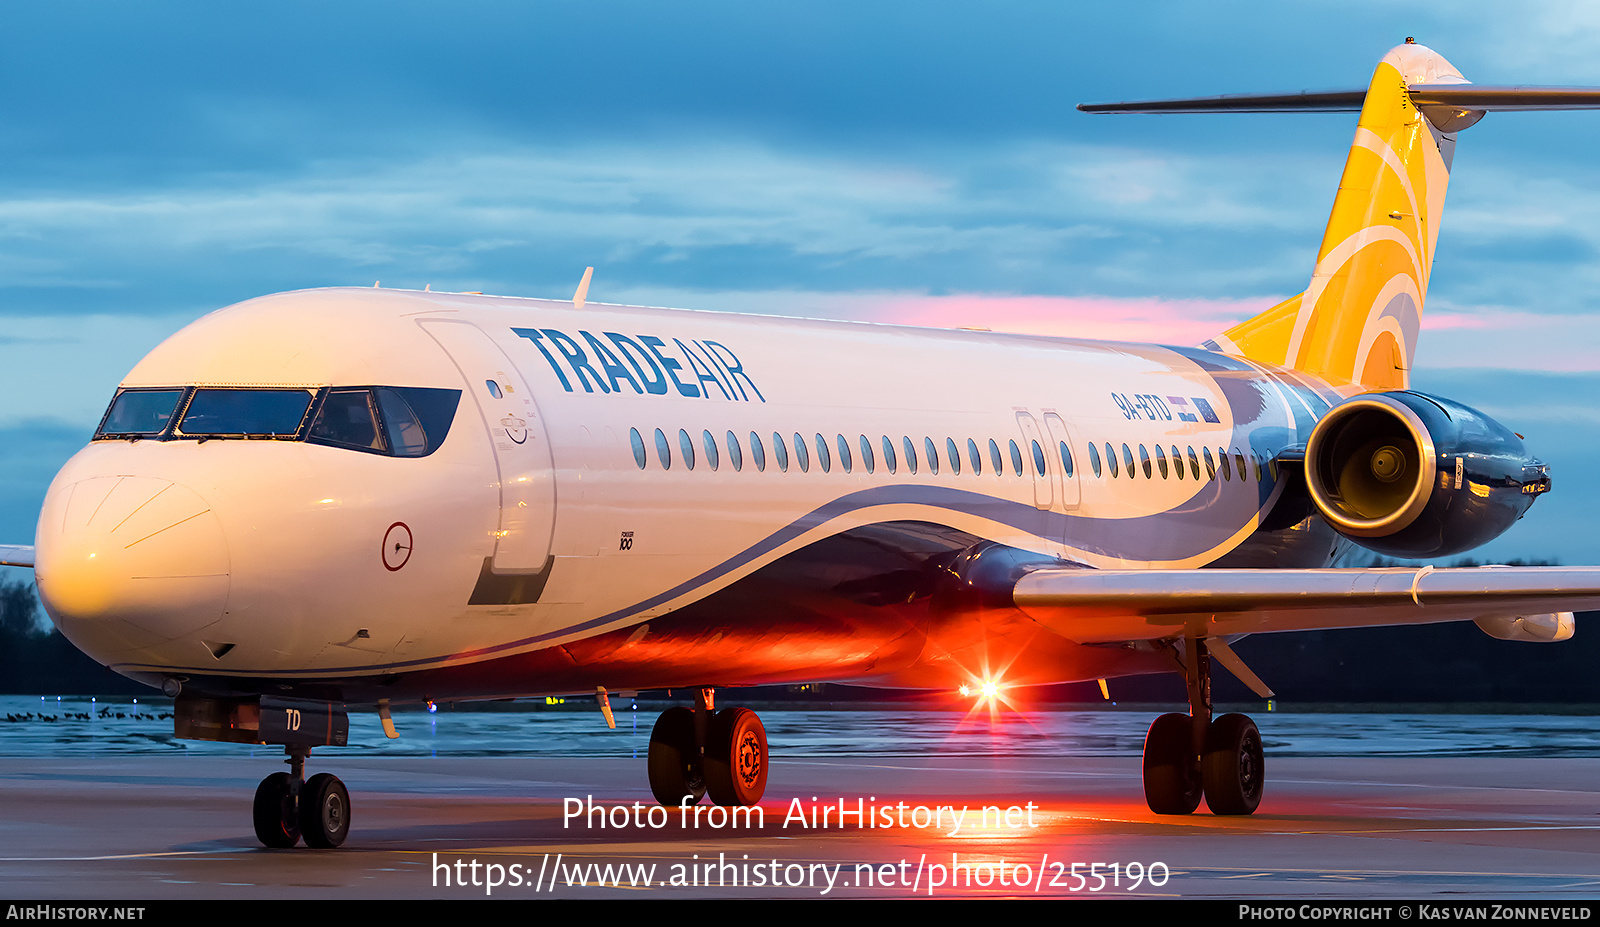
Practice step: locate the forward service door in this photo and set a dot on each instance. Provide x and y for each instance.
(521, 445)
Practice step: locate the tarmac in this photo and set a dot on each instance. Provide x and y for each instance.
(165, 827)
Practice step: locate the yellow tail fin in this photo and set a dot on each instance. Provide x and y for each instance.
(1357, 323)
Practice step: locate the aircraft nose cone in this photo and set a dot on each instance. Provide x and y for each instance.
(130, 562)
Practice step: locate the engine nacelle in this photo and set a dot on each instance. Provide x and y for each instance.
(1412, 475)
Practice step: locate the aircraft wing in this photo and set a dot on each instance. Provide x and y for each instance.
(16, 555)
(1103, 606)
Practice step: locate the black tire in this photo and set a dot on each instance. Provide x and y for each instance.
(674, 759)
(1232, 766)
(1171, 768)
(324, 811)
(736, 758)
(277, 824)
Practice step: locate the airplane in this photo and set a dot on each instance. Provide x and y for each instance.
(344, 498)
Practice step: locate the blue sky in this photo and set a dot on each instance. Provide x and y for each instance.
(887, 161)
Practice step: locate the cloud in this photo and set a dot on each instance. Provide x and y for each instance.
(1184, 322)
(64, 370)
(1029, 218)
(1499, 339)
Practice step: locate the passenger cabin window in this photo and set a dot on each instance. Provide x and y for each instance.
(824, 460)
(866, 454)
(758, 453)
(974, 458)
(1066, 459)
(801, 458)
(931, 452)
(663, 450)
(735, 456)
(994, 458)
(1016, 459)
(952, 455)
(781, 452)
(637, 440)
(710, 444)
(1094, 460)
(844, 454)
(686, 448)
(889, 462)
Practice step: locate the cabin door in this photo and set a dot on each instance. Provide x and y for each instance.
(521, 445)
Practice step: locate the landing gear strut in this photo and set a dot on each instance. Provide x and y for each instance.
(704, 750)
(1187, 755)
(288, 806)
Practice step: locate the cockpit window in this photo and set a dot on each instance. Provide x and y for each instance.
(141, 412)
(399, 421)
(434, 409)
(406, 435)
(348, 419)
(252, 413)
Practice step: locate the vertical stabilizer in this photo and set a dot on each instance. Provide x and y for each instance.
(1357, 323)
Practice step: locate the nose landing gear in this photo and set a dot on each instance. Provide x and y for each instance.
(289, 807)
(1187, 755)
(700, 751)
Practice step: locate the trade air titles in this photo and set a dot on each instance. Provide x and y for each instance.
(609, 363)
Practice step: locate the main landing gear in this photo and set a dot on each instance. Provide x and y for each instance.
(289, 806)
(1185, 755)
(693, 752)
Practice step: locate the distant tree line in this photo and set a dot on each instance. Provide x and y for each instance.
(36, 660)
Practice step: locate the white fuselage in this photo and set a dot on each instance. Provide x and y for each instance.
(533, 527)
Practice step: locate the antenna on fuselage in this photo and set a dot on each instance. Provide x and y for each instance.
(582, 293)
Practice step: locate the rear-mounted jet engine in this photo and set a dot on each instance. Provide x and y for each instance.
(1412, 475)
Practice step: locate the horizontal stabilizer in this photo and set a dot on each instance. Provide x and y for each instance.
(1458, 96)
(1103, 606)
(16, 555)
(1494, 99)
(1325, 101)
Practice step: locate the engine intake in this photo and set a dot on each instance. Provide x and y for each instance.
(1412, 475)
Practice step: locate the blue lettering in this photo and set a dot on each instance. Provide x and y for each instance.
(734, 368)
(577, 360)
(720, 371)
(642, 363)
(628, 348)
(532, 334)
(701, 370)
(655, 345)
(614, 369)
